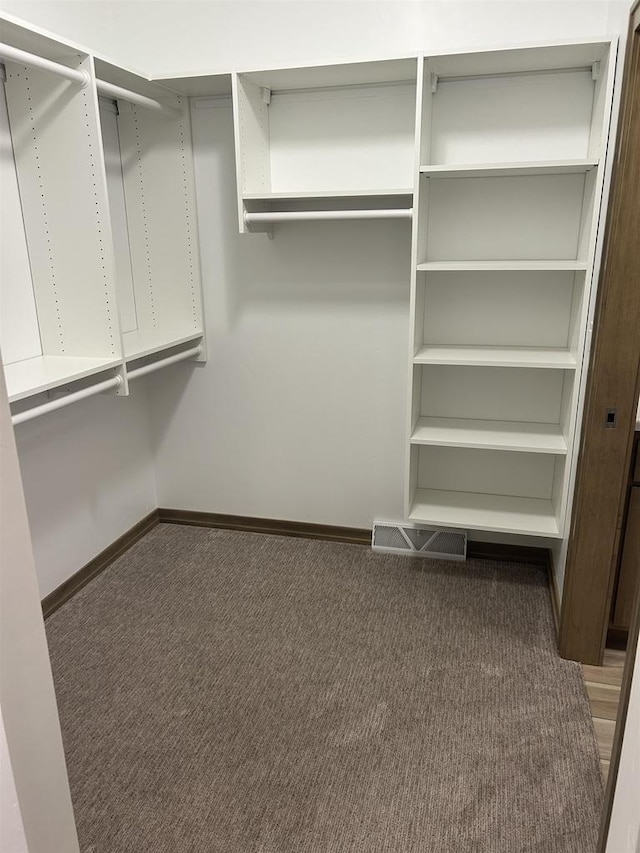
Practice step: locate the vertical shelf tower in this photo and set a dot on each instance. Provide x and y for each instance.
(508, 185)
(508, 150)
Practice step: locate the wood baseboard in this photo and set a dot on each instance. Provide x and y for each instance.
(94, 567)
(299, 529)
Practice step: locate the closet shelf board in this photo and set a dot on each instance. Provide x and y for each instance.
(294, 195)
(43, 373)
(491, 170)
(501, 266)
(494, 435)
(139, 344)
(542, 357)
(498, 513)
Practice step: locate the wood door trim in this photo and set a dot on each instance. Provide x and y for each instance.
(613, 381)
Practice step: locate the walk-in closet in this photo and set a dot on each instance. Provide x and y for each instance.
(296, 342)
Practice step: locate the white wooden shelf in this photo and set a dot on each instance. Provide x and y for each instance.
(501, 266)
(499, 513)
(491, 170)
(142, 343)
(296, 195)
(543, 357)
(43, 373)
(493, 435)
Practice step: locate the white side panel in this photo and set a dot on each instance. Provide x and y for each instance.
(160, 200)
(416, 296)
(18, 318)
(521, 218)
(492, 393)
(252, 131)
(353, 138)
(27, 698)
(624, 829)
(13, 835)
(492, 472)
(57, 144)
(502, 309)
(118, 210)
(512, 118)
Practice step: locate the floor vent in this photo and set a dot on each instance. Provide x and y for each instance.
(441, 544)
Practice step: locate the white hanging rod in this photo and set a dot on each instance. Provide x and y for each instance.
(74, 397)
(164, 362)
(308, 215)
(14, 54)
(113, 91)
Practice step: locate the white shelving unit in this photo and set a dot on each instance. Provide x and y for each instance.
(507, 195)
(105, 270)
(496, 158)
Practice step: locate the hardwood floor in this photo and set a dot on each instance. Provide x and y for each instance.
(603, 687)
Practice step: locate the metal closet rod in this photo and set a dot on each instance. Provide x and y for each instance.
(14, 54)
(308, 215)
(61, 402)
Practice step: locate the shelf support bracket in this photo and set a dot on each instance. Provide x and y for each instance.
(434, 83)
(265, 95)
(595, 70)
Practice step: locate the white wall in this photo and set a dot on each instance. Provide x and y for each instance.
(224, 35)
(88, 477)
(299, 413)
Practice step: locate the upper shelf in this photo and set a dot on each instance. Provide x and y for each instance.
(489, 170)
(498, 265)
(43, 373)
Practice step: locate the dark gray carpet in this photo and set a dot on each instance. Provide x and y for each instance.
(239, 693)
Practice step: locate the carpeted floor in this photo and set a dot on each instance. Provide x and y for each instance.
(226, 692)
